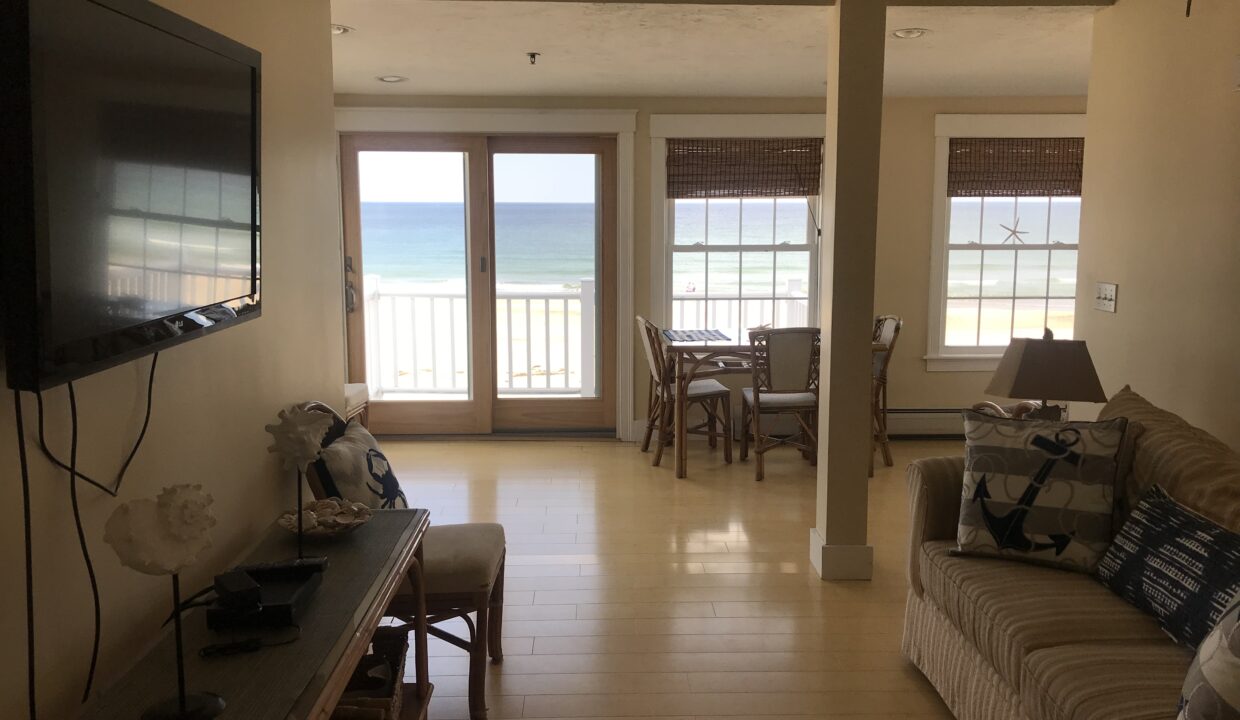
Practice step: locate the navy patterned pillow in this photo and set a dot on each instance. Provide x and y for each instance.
(353, 468)
(1175, 565)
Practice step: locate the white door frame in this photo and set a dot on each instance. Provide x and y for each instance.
(621, 123)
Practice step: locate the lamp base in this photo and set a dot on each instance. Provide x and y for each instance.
(1053, 413)
(198, 706)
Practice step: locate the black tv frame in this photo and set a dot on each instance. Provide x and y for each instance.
(23, 268)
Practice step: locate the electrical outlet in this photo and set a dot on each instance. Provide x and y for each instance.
(1105, 296)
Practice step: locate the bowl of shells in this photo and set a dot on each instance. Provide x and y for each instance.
(327, 518)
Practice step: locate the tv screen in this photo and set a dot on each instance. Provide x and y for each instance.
(141, 208)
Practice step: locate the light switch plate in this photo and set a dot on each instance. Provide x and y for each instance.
(1105, 296)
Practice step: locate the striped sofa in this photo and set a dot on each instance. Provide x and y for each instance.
(1002, 640)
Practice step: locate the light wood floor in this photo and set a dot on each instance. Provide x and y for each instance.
(633, 594)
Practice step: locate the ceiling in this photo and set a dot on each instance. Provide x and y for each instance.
(451, 47)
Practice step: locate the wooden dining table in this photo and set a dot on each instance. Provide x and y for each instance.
(695, 359)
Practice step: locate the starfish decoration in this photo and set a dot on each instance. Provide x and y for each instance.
(1014, 233)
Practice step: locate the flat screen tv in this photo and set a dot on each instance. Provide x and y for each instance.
(130, 209)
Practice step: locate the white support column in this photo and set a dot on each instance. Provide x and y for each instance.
(856, 42)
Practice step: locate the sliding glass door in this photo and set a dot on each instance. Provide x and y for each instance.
(479, 281)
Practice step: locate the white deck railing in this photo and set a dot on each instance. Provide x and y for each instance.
(417, 343)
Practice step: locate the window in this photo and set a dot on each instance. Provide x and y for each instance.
(1006, 236)
(738, 263)
(742, 220)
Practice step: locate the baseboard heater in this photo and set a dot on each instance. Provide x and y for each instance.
(925, 424)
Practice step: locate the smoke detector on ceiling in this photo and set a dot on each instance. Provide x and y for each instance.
(909, 33)
(391, 78)
(341, 29)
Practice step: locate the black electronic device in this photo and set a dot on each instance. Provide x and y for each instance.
(283, 595)
(130, 148)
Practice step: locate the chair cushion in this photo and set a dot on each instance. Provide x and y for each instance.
(355, 396)
(783, 401)
(703, 388)
(462, 558)
(1008, 610)
(1103, 681)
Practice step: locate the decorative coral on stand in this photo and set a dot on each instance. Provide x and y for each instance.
(298, 439)
(160, 536)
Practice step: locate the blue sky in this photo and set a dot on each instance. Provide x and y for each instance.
(440, 177)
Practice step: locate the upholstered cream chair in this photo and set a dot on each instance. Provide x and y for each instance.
(463, 573)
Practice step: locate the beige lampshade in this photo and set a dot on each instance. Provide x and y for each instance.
(1047, 370)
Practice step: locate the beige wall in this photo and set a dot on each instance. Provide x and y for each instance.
(1161, 213)
(212, 396)
(905, 189)
(905, 205)
(641, 148)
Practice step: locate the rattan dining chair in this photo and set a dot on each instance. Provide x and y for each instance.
(886, 332)
(463, 575)
(709, 394)
(785, 382)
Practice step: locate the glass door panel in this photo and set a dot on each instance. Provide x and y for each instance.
(551, 223)
(546, 261)
(414, 250)
(417, 294)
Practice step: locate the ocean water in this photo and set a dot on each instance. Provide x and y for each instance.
(553, 245)
(424, 243)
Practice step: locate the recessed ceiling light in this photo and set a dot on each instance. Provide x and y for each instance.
(341, 29)
(909, 33)
(391, 78)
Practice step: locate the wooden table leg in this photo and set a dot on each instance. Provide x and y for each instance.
(682, 396)
(419, 627)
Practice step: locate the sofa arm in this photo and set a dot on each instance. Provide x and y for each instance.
(934, 487)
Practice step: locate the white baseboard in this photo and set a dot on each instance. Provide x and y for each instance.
(840, 562)
(914, 422)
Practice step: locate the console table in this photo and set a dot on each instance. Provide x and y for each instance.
(302, 680)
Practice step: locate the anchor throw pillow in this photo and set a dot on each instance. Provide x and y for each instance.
(1039, 491)
(1212, 688)
(353, 468)
(1175, 565)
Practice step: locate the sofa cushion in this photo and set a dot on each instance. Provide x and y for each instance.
(1039, 491)
(1174, 564)
(1008, 610)
(1104, 681)
(1193, 466)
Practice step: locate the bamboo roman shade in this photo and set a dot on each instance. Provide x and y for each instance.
(1014, 167)
(743, 167)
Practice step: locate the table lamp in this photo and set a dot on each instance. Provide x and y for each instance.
(1033, 369)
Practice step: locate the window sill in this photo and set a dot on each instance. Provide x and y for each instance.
(961, 363)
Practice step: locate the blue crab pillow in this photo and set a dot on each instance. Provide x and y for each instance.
(1039, 491)
(352, 467)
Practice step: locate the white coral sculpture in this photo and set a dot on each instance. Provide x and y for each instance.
(299, 437)
(162, 535)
